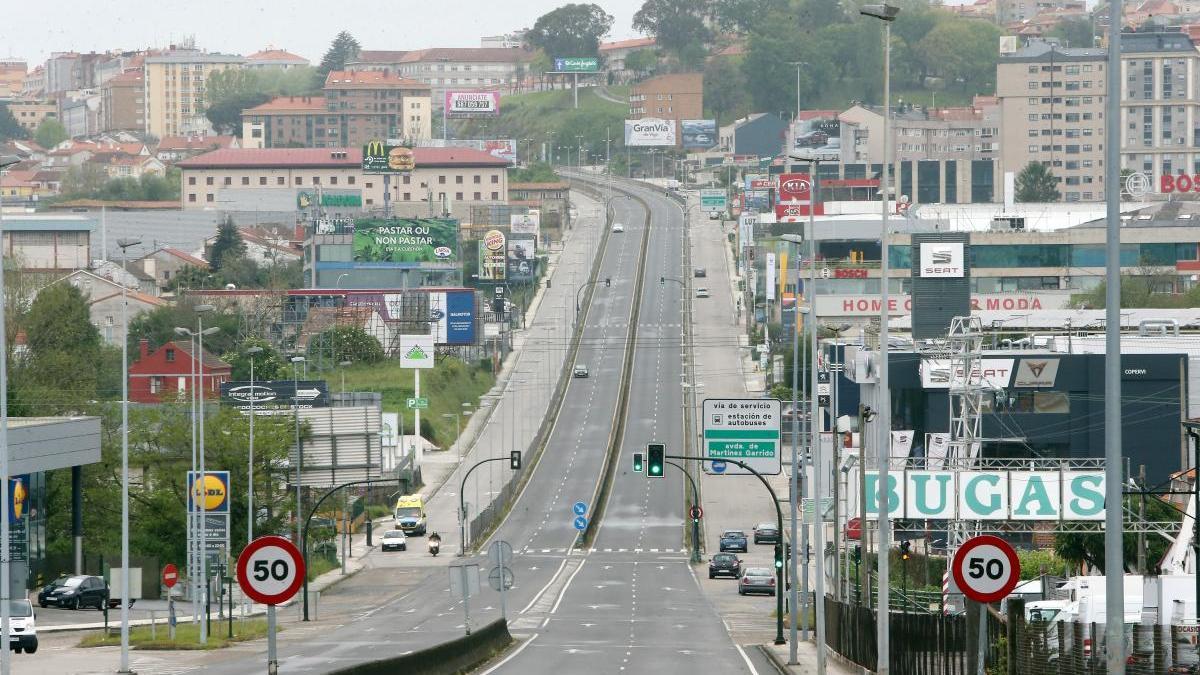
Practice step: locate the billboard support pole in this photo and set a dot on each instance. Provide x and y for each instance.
(575, 89)
(417, 413)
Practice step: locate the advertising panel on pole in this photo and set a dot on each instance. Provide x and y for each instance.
(698, 134)
(746, 230)
(270, 396)
(380, 157)
(406, 242)
(522, 259)
(818, 137)
(472, 103)
(770, 285)
(214, 490)
(712, 199)
(758, 181)
(453, 314)
(649, 132)
(18, 508)
(525, 223)
(982, 494)
(501, 148)
(576, 64)
(448, 315)
(795, 187)
(491, 256)
(943, 259)
(743, 429)
(416, 351)
(758, 200)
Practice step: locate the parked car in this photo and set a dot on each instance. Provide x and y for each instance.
(700, 272)
(75, 592)
(766, 533)
(733, 540)
(394, 540)
(757, 580)
(618, 227)
(22, 624)
(724, 564)
(701, 292)
(581, 370)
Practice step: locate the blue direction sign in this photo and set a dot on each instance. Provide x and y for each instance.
(718, 466)
(580, 523)
(580, 509)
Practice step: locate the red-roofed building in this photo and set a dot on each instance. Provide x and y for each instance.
(270, 57)
(165, 374)
(175, 148)
(675, 97)
(453, 68)
(614, 54)
(163, 265)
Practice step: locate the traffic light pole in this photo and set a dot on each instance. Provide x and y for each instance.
(779, 548)
(514, 460)
(695, 521)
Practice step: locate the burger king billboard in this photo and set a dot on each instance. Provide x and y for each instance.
(405, 242)
(650, 132)
(492, 263)
(379, 157)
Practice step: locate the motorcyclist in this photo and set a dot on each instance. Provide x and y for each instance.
(435, 543)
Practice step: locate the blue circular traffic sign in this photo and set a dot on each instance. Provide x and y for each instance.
(718, 466)
(580, 523)
(579, 508)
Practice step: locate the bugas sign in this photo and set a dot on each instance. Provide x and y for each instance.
(942, 260)
(989, 495)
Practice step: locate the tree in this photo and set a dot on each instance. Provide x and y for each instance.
(50, 133)
(724, 92)
(343, 50)
(347, 343)
(675, 24)
(83, 181)
(571, 30)
(157, 326)
(64, 351)
(642, 61)
(9, 127)
(961, 51)
(268, 365)
(228, 244)
(1079, 548)
(740, 16)
(1074, 32)
(1036, 183)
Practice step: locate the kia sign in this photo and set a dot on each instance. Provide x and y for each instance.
(472, 104)
(795, 187)
(269, 396)
(942, 259)
(649, 132)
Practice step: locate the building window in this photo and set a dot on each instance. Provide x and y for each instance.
(316, 180)
(228, 180)
(262, 180)
(245, 180)
(280, 180)
(477, 196)
(407, 179)
(156, 383)
(170, 355)
(299, 180)
(408, 196)
(191, 180)
(208, 197)
(477, 179)
(458, 196)
(191, 196)
(458, 180)
(333, 180)
(495, 196)
(350, 180)
(495, 179)
(442, 181)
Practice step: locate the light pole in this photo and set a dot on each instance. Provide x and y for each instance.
(250, 462)
(797, 479)
(296, 361)
(886, 13)
(124, 244)
(5, 561)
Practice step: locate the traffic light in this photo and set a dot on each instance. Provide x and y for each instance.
(637, 462)
(778, 557)
(607, 282)
(514, 460)
(662, 281)
(905, 549)
(655, 452)
(857, 553)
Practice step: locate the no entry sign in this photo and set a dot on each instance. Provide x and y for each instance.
(270, 570)
(170, 575)
(986, 568)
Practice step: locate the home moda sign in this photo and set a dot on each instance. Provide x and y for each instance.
(989, 495)
(942, 259)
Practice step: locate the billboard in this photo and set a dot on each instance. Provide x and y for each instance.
(379, 157)
(269, 396)
(795, 187)
(699, 134)
(213, 491)
(576, 64)
(522, 258)
(502, 148)
(491, 256)
(818, 136)
(649, 132)
(417, 351)
(334, 199)
(472, 104)
(405, 242)
(758, 200)
(525, 223)
(447, 315)
(453, 314)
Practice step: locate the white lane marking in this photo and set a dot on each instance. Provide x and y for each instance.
(537, 596)
(520, 649)
(563, 593)
(741, 651)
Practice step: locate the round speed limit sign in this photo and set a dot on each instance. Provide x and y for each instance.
(986, 568)
(270, 570)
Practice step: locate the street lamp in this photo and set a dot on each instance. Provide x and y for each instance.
(886, 13)
(797, 481)
(5, 655)
(124, 244)
(296, 361)
(251, 352)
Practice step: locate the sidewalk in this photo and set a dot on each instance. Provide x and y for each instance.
(806, 659)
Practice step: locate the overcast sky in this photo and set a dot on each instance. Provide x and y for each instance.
(31, 30)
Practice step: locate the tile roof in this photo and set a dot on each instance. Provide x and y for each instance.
(186, 257)
(470, 54)
(380, 56)
(194, 142)
(206, 358)
(120, 205)
(332, 157)
(289, 104)
(369, 78)
(275, 55)
(635, 43)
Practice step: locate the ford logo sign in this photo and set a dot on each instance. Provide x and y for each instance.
(442, 252)
(436, 315)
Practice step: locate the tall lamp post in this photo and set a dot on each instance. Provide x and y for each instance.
(5, 562)
(887, 14)
(251, 352)
(124, 244)
(797, 482)
(296, 361)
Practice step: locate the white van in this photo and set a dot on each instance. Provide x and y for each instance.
(23, 626)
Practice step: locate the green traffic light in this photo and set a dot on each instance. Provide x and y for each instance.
(655, 470)
(637, 462)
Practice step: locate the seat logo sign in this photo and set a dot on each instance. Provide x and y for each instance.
(942, 260)
(1036, 373)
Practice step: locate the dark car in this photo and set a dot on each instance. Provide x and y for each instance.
(733, 540)
(700, 272)
(757, 580)
(812, 139)
(726, 564)
(766, 533)
(394, 540)
(75, 592)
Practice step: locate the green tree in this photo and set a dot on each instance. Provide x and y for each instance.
(961, 51)
(740, 16)
(268, 365)
(50, 133)
(1074, 32)
(533, 172)
(724, 92)
(347, 343)
(9, 127)
(768, 70)
(228, 244)
(1078, 548)
(157, 326)
(574, 29)
(61, 372)
(675, 24)
(1036, 183)
(642, 61)
(228, 93)
(343, 50)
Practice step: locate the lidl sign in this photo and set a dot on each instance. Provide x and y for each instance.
(989, 495)
(212, 491)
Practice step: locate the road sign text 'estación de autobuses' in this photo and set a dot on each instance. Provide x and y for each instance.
(981, 494)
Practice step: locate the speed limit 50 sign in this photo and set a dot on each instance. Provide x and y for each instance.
(270, 570)
(986, 568)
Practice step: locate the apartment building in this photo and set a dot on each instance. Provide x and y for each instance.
(372, 104)
(12, 76)
(1160, 111)
(123, 102)
(1052, 111)
(454, 68)
(1011, 11)
(291, 121)
(675, 97)
(271, 58)
(34, 84)
(30, 113)
(173, 89)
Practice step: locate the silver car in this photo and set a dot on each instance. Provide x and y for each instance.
(757, 580)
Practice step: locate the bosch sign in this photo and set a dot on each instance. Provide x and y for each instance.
(1179, 183)
(850, 274)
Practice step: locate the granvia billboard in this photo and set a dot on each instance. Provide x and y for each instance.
(406, 242)
(649, 132)
(472, 104)
(699, 134)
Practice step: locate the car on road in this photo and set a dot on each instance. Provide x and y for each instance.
(618, 227)
(581, 370)
(394, 540)
(702, 292)
(766, 533)
(700, 272)
(75, 592)
(23, 626)
(757, 580)
(733, 540)
(714, 215)
(410, 514)
(724, 564)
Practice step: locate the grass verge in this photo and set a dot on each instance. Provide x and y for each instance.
(187, 636)
(318, 565)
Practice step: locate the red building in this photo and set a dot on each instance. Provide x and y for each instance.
(166, 373)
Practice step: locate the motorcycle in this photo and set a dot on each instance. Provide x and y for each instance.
(435, 544)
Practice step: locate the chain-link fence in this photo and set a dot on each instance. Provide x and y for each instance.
(1069, 648)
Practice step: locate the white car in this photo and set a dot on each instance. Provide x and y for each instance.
(701, 292)
(394, 539)
(24, 628)
(618, 227)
